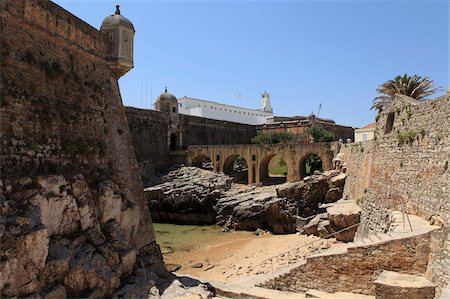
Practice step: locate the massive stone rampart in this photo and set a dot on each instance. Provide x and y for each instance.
(149, 130)
(407, 164)
(406, 167)
(204, 131)
(73, 216)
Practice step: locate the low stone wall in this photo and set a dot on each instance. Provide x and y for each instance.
(356, 270)
(439, 264)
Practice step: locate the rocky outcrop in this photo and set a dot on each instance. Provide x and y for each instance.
(280, 210)
(313, 200)
(195, 196)
(309, 193)
(187, 195)
(62, 236)
(250, 208)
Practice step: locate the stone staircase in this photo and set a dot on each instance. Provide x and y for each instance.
(256, 286)
(249, 290)
(250, 287)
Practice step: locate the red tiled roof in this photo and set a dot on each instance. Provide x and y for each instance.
(371, 126)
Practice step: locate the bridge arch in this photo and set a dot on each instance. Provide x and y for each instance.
(202, 161)
(173, 142)
(236, 166)
(279, 174)
(309, 163)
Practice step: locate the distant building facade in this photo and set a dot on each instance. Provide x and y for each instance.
(299, 127)
(366, 133)
(214, 110)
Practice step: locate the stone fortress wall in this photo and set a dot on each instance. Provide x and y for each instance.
(406, 165)
(72, 213)
(149, 130)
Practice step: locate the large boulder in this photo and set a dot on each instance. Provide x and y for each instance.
(338, 181)
(309, 193)
(333, 195)
(187, 195)
(250, 208)
(342, 215)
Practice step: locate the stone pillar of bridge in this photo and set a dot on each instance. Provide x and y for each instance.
(257, 170)
(250, 172)
(292, 165)
(217, 161)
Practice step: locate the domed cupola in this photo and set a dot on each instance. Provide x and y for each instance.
(120, 34)
(167, 103)
(166, 96)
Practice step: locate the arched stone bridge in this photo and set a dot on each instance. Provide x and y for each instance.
(258, 156)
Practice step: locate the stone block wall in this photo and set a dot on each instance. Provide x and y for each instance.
(439, 265)
(204, 131)
(356, 270)
(405, 166)
(358, 158)
(70, 191)
(149, 130)
(410, 163)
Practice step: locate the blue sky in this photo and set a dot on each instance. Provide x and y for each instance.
(304, 53)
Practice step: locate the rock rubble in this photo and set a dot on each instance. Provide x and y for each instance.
(195, 196)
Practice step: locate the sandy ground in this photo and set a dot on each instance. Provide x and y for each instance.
(235, 255)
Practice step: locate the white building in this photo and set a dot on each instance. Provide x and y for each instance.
(214, 110)
(366, 133)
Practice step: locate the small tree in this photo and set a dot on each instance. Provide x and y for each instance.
(272, 137)
(313, 163)
(320, 134)
(240, 164)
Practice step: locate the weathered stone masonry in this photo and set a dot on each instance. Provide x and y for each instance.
(407, 165)
(149, 130)
(356, 270)
(414, 172)
(73, 216)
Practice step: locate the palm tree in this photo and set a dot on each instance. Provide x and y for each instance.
(415, 87)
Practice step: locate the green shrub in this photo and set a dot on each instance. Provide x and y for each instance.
(408, 112)
(422, 132)
(406, 137)
(320, 134)
(313, 163)
(272, 137)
